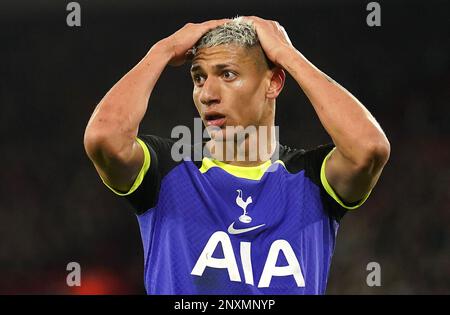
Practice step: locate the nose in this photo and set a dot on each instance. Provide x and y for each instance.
(210, 92)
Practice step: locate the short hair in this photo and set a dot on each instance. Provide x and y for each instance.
(238, 32)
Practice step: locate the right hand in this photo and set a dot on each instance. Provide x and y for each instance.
(178, 44)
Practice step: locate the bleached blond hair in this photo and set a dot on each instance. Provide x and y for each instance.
(237, 32)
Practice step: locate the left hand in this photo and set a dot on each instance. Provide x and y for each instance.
(273, 38)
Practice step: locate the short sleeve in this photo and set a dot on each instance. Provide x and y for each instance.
(330, 191)
(315, 161)
(139, 177)
(145, 195)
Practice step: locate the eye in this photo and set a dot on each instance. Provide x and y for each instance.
(198, 79)
(228, 75)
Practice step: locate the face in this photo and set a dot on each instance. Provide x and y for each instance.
(230, 87)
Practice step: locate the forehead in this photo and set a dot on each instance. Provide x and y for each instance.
(232, 55)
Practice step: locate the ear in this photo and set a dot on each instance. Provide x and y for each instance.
(276, 82)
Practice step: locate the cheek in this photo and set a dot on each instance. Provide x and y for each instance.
(249, 99)
(195, 98)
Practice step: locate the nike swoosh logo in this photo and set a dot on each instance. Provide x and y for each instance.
(232, 230)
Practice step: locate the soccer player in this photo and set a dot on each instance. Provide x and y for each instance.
(265, 225)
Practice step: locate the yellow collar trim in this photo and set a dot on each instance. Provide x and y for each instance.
(248, 172)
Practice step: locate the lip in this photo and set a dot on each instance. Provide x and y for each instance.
(216, 122)
(214, 118)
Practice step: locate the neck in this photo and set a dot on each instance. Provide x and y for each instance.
(252, 149)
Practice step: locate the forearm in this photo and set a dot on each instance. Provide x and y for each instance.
(116, 119)
(355, 132)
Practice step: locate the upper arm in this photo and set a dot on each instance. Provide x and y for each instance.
(352, 182)
(141, 176)
(120, 171)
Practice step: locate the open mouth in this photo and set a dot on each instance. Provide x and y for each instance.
(215, 119)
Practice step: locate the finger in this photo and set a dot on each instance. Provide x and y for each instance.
(214, 23)
(254, 18)
(248, 18)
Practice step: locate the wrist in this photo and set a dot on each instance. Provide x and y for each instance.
(286, 56)
(163, 49)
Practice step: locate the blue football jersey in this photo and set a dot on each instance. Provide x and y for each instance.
(208, 227)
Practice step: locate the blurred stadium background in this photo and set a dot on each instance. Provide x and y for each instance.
(54, 209)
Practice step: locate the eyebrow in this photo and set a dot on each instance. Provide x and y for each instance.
(217, 67)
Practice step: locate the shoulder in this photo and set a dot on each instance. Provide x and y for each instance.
(296, 160)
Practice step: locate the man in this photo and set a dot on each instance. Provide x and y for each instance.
(262, 225)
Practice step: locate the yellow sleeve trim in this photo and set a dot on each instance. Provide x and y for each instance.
(330, 190)
(142, 172)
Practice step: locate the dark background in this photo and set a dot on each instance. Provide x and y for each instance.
(54, 208)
